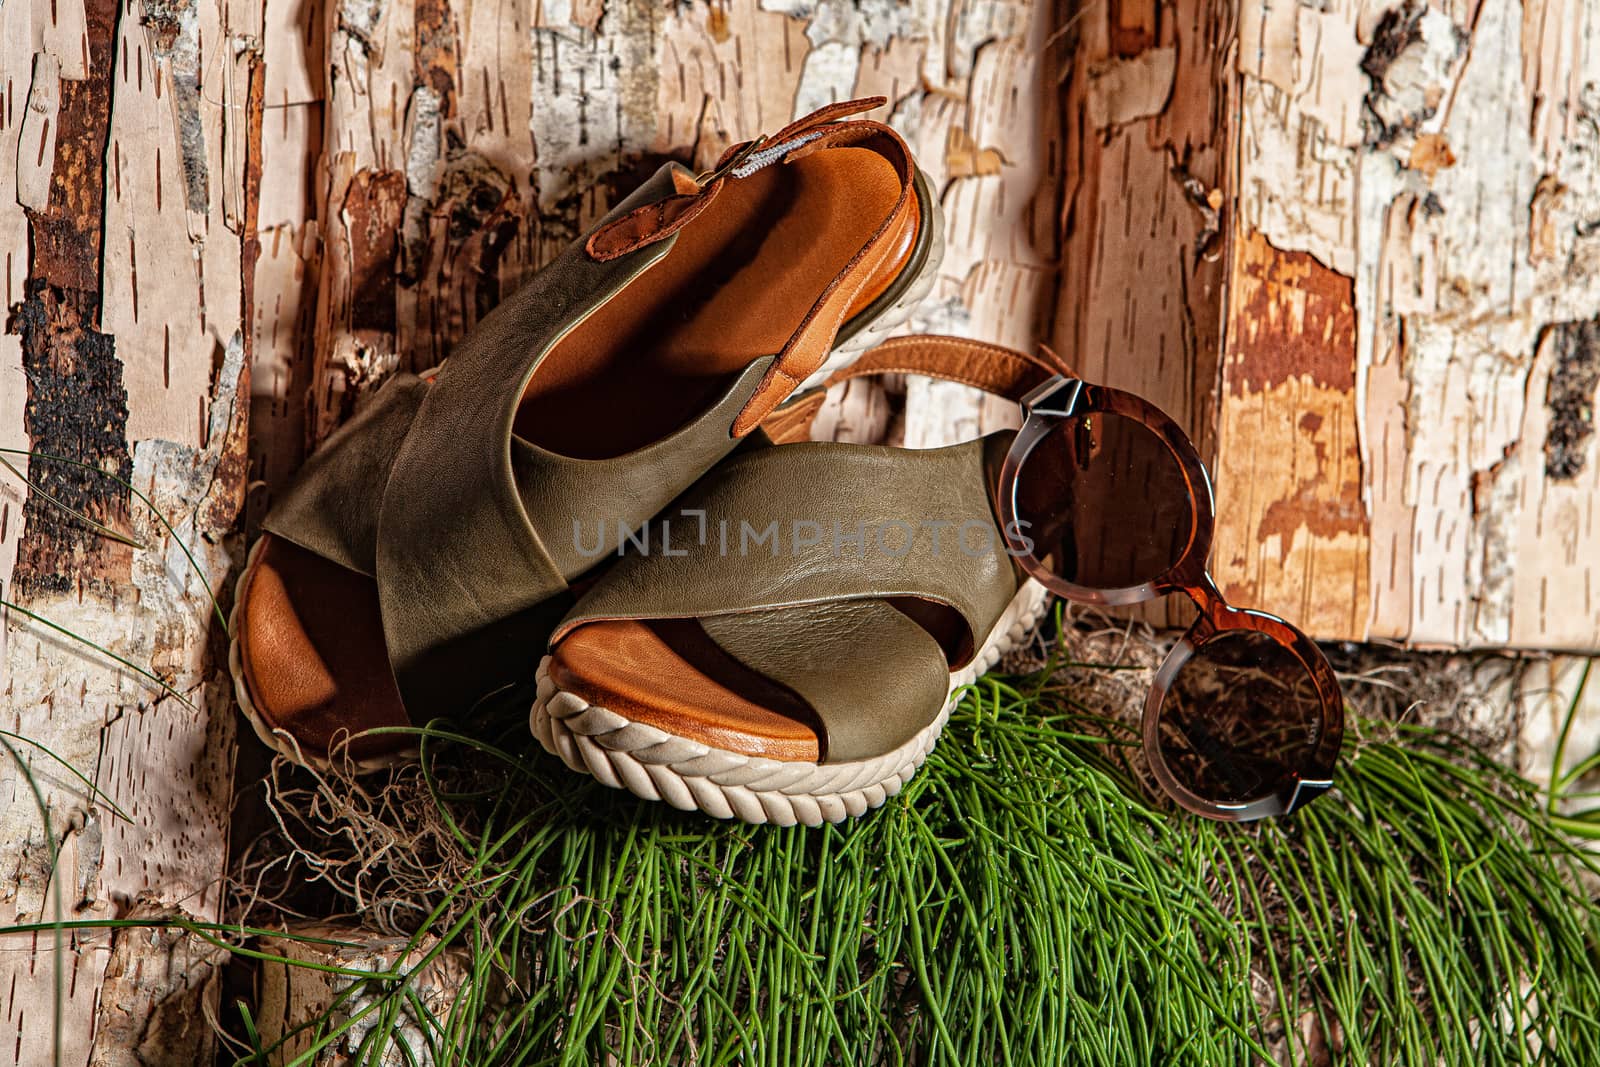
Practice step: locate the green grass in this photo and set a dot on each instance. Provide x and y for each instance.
(1024, 901)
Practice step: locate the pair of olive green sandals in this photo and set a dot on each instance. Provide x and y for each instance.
(608, 488)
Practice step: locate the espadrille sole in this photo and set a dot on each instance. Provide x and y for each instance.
(657, 765)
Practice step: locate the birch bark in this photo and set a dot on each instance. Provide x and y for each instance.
(1405, 445)
(129, 147)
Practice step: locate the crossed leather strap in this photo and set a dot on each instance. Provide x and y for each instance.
(783, 613)
(993, 368)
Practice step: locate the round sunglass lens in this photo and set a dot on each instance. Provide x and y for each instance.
(1241, 720)
(1106, 502)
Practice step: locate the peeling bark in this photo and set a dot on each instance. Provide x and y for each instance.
(1287, 430)
(1141, 289)
(76, 405)
(123, 237)
(1445, 158)
(289, 996)
(159, 987)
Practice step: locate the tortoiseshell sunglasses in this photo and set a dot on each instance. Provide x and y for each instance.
(1104, 500)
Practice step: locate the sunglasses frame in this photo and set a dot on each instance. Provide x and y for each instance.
(1063, 398)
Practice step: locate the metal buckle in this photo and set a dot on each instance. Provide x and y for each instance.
(739, 157)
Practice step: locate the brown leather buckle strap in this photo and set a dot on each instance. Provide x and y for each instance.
(826, 128)
(655, 221)
(808, 348)
(782, 553)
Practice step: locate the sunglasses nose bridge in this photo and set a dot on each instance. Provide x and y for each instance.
(1202, 589)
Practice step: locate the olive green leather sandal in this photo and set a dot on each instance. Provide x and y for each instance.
(805, 677)
(425, 551)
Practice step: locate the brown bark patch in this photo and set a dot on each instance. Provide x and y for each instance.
(77, 407)
(717, 22)
(1571, 397)
(1320, 504)
(1133, 25)
(1290, 515)
(65, 237)
(1431, 154)
(1293, 317)
(372, 209)
(435, 57)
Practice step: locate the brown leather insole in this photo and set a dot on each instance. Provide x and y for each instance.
(311, 645)
(670, 674)
(736, 286)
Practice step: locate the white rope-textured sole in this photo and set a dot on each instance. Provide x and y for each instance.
(657, 765)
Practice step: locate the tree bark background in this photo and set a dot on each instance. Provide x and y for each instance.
(1352, 245)
(128, 142)
(1406, 443)
(1355, 247)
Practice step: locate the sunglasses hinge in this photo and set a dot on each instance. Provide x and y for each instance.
(1060, 395)
(1305, 791)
